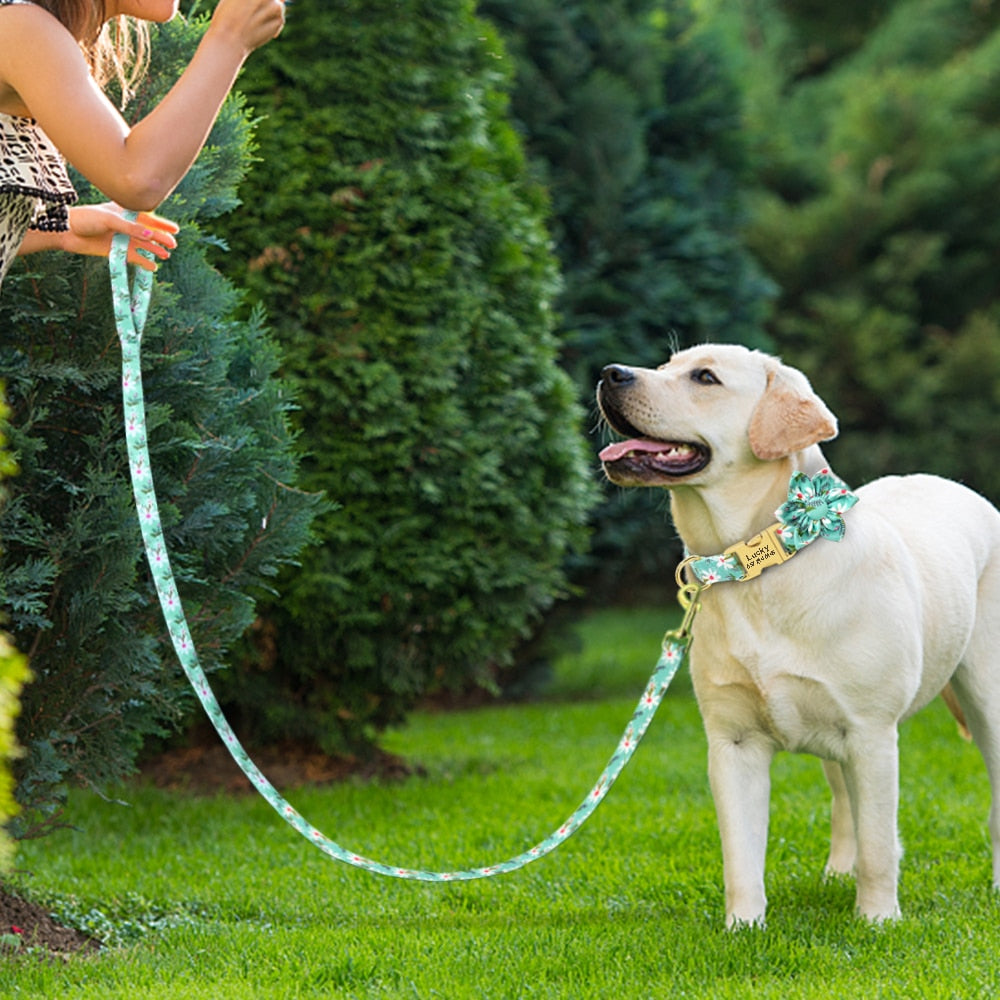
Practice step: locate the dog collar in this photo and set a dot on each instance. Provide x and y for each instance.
(814, 509)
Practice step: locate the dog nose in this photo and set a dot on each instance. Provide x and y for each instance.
(617, 376)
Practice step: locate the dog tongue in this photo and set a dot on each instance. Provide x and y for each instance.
(620, 448)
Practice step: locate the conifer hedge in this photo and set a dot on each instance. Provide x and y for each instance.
(73, 581)
(403, 260)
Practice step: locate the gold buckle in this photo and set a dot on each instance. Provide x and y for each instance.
(758, 553)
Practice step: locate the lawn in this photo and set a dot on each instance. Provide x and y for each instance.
(215, 898)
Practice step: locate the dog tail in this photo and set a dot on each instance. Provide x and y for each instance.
(953, 706)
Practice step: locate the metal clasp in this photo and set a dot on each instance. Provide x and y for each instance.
(687, 598)
(679, 577)
(758, 553)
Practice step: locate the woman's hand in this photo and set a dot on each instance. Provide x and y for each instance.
(251, 23)
(92, 227)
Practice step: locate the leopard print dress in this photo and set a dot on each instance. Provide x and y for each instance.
(35, 189)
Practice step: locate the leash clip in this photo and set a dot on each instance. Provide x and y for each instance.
(687, 598)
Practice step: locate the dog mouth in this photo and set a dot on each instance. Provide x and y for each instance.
(647, 462)
(641, 460)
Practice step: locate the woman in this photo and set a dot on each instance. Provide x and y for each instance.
(55, 58)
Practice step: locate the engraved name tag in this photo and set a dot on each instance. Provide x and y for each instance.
(758, 553)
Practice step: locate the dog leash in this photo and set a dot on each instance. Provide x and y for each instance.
(131, 305)
(814, 509)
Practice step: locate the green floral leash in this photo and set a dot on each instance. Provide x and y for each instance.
(812, 511)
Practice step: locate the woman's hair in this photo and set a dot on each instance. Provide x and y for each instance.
(117, 50)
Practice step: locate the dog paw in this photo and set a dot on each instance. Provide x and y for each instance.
(838, 873)
(737, 923)
(879, 914)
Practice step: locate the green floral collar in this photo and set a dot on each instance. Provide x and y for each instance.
(814, 509)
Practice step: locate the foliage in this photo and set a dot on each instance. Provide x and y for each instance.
(73, 578)
(13, 674)
(877, 219)
(391, 234)
(631, 117)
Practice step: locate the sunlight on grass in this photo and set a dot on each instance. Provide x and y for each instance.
(215, 897)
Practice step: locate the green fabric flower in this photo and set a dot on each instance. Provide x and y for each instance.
(814, 509)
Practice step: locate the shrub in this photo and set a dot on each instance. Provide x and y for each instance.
(13, 674)
(402, 256)
(72, 576)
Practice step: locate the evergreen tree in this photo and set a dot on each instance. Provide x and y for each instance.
(880, 171)
(390, 232)
(73, 580)
(631, 119)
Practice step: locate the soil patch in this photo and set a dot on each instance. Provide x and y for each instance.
(32, 926)
(207, 768)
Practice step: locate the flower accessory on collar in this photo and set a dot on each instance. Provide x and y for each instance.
(814, 509)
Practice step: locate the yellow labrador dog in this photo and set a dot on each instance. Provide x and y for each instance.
(827, 653)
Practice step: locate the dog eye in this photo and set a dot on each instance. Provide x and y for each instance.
(705, 376)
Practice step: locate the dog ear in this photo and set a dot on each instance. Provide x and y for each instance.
(789, 416)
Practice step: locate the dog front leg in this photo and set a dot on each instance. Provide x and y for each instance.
(872, 776)
(739, 774)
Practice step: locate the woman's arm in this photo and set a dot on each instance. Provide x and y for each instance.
(136, 167)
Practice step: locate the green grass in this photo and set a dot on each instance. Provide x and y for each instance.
(215, 898)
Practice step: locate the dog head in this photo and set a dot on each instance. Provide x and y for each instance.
(707, 410)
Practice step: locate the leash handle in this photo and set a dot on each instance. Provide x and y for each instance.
(131, 304)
